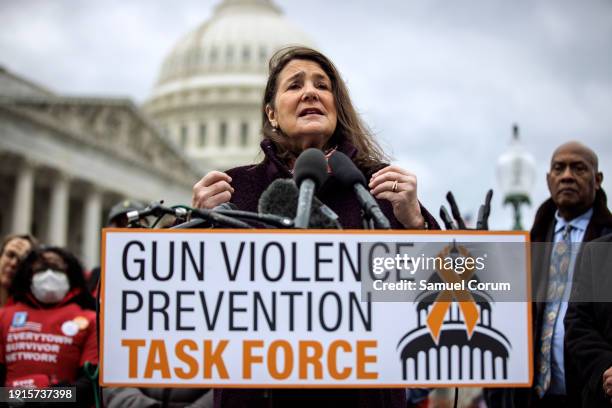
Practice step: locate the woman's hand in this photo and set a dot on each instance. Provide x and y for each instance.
(607, 382)
(212, 190)
(399, 187)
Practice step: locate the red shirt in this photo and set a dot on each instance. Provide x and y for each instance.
(46, 345)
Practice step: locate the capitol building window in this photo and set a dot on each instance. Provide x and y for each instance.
(202, 140)
(229, 55)
(244, 134)
(213, 55)
(184, 136)
(223, 134)
(263, 55)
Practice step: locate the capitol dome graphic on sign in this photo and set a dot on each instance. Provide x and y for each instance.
(461, 344)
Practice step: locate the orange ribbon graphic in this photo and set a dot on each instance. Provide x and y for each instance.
(443, 301)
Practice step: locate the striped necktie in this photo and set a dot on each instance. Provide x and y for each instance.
(557, 280)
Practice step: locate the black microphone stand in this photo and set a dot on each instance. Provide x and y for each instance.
(482, 223)
(368, 222)
(204, 218)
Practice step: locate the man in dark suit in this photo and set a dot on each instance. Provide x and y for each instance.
(588, 325)
(576, 212)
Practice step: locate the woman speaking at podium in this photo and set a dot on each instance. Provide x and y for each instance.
(306, 104)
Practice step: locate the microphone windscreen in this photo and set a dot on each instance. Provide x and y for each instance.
(281, 198)
(311, 164)
(323, 217)
(344, 170)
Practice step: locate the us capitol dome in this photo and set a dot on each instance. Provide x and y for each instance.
(208, 94)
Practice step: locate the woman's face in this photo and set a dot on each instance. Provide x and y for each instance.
(50, 284)
(13, 253)
(304, 105)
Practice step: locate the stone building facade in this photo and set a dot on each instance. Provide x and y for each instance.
(64, 161)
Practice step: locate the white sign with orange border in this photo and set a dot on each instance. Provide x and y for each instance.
(279, 308)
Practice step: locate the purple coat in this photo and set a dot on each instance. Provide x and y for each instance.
(249, 182)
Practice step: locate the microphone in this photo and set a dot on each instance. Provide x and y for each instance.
(231, 210)
(482, 222)
(221, 216)
(455, 211)
(281, 199)
(156, 209)
(348, 174)
(219, 219)
(446, 219)
(310, 173)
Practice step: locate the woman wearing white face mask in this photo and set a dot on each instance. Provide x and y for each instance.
(49, 334)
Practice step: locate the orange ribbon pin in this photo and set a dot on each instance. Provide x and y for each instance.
(443, 301)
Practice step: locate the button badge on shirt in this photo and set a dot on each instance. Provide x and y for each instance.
(19, 319)
(82, 322)
(70, 328)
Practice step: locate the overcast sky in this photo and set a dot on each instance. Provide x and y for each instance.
(440, 82)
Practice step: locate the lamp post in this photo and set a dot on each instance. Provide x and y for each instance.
(516, 175)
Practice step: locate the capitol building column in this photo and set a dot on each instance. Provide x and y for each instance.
(58, 210)
(23, 199)
(92, 223)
